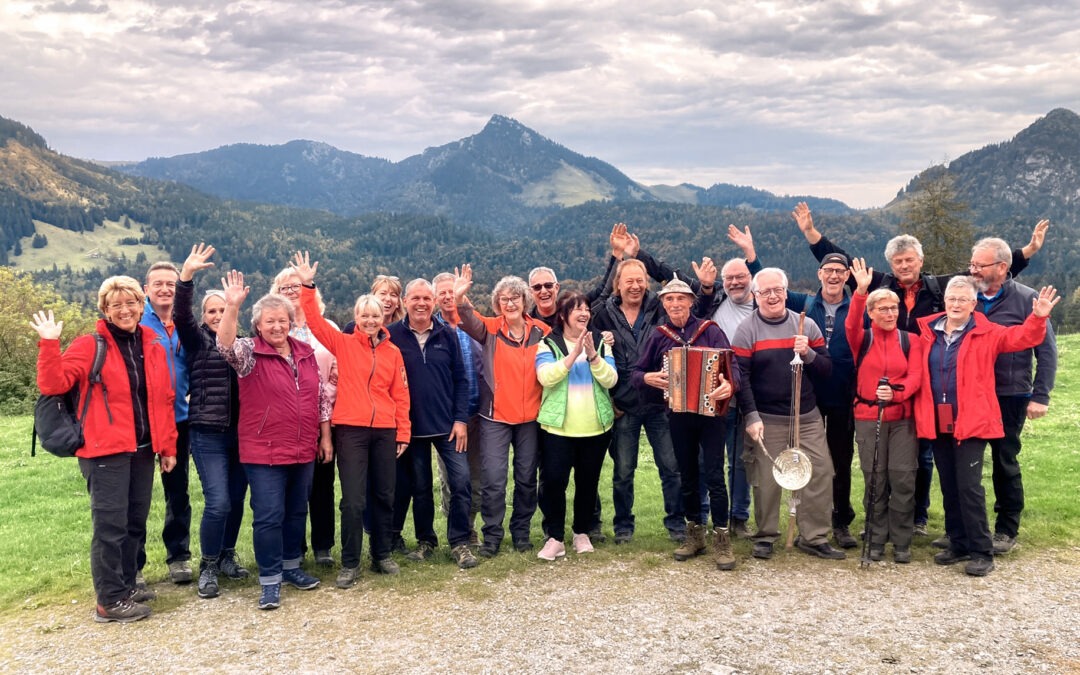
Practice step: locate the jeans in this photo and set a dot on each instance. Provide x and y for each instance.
(840, 435)
(689, 432)
(224, 485)
(475, 473)
(279, 498)
(365, 455)
(625, 438)
(1005, 452)
(960, 472)
(120, 487)
(417, 463)
(495, 441)
(560, 454)
(737, 481)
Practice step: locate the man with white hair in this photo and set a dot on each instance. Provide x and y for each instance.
(1020, 397)
(544, 287)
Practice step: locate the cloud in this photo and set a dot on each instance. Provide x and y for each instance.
(845, 95)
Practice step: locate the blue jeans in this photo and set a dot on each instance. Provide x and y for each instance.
(737, 481)
(418, 457)
(224, 485)
(624, 453)
(279, 500)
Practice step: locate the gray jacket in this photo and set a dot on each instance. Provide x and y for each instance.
(1013, 370)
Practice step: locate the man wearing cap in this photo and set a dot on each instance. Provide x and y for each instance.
(828, 308)
(689, 431)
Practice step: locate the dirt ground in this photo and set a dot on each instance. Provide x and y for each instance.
(792, 614)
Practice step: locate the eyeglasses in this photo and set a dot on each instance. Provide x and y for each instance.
(516, 300)
(887, 309)
(958, 299)
(546, 286)
(976, 267)
(291, 288)
(129, 305)
(834, 271)
(778, 292)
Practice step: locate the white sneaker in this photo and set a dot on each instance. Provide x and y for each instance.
(552, 549)
(582, 543)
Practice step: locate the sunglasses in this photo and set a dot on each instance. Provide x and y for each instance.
(546, 286)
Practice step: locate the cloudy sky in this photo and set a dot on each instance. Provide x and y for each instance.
(846, 99)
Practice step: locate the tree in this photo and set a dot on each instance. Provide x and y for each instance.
(39, 241)
(939, 220)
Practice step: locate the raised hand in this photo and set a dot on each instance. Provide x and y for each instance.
(305, 270)
(47, 327)
(1046, 301)
(706, 272)
(235, 290)
(1038, 236)
(802, 217)
(197, 261)
(862, 274)
(632, 247)
(618, 240)
(462, 281)
(743, 239)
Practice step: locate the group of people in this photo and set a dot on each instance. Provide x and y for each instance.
(548, 386)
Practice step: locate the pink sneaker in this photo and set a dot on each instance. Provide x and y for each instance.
(582, 543)
(552, 549)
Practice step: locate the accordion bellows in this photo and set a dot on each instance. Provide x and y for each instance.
(692, 373)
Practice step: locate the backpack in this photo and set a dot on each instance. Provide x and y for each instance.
(932, 285)
(868, 338)
(55, 421)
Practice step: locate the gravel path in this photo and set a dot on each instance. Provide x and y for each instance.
(622, 614)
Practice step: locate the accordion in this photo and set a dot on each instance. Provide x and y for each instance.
(694, 372)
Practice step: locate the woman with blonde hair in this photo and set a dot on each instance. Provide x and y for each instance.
(128, 420)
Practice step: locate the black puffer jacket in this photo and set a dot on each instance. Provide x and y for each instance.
(212, 387)
(607, 315)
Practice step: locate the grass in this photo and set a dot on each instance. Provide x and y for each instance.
(96, 249)
(45, 519)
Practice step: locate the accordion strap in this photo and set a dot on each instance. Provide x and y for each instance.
(666, 330)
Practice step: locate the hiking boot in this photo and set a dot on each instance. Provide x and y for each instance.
(230, 566)
(474, 538)
(693, 545)
(725, 558)
(180, 572)
(140, 581)
(920, 529)
(941, 542)
(979, 567)
(463, 556)
(522, 545)
(843, 537)
(346, 577)
(950, 557)
(901, 555)
(298, 578)
(822, 550)
(323, 558)
(399, 546)
(208, 579)
(141, 594)
(677, 536)
(385, 566)
(877, 553)
(762, 550)
(423, 551)
(623, 537)
(270, 598)
(489, 549)
(553, 548)
(1003, 543)
(740, 528)
(121, 611)
(597, 536)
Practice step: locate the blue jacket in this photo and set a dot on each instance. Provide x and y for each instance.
(438, 387)
(177, 358)
(1013, 370)
(838, 389)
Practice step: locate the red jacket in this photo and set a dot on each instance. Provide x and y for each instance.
(885, 358)
(977, 412)
(57, 373)
(372, 389)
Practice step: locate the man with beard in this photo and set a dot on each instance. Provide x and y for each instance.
(763, 347)
(1006, 302)
(920, 295)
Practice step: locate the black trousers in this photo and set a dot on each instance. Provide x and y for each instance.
(1005, 452)
(960, 465)
(689, 432)
(840, 436)
(362, 451)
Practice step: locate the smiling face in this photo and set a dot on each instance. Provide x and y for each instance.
(290, 288)
(545, 291)
(884, 312)
(632, 284)
(368, 320)
(419, 305)
(511, 306)
(959, 304)
(124, 310)
(390, 298)
(273, 326)
(735, 276)
(771, 295)
(160, 289)
(833, 276)
(577, 320)
(906, 266)
(677, 306)
(213, 310)
(444, 296)
(989, 272)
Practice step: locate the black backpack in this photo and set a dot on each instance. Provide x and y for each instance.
(55, 421)
(868, 337)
